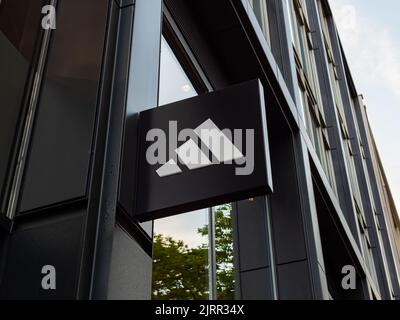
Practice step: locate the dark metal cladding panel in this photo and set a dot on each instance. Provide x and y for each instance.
(294, 282)
(56, 243)
(253, 234)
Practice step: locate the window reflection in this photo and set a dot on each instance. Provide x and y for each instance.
(225, 278)
(174, 83)
(19, 24)
(191, 259)
(66, 107)
(180, 248)
(180, 257)
(260, 10)
(308, 85)
(19, 33)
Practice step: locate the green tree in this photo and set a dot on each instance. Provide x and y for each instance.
(181, 273)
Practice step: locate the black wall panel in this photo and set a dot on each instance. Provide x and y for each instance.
(252, 234)
(53, 242)
(294, 282)
(288, 233)
(58, 162)
(256, 285)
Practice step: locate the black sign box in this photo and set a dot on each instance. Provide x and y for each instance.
(182, 186)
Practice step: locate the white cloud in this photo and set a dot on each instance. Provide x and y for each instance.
(370, 48)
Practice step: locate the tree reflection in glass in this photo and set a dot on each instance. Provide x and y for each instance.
(179, 271)
(181, 243)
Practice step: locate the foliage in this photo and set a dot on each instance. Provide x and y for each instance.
(181, 273)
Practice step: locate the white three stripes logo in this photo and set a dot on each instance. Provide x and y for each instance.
(194, 158)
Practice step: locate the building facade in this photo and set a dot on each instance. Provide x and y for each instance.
(70, 96)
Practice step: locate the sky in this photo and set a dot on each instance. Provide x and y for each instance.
(370, 33)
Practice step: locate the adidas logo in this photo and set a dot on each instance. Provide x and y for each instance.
(195, 152)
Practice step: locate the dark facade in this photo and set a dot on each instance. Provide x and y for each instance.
(68, 121)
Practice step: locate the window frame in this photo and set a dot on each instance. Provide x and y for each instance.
(264, 23)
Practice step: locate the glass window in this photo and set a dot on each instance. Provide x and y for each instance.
(192, 260)
(303, 105)
(180, 257)
(261, 13)
(333, 74)
(180, 248)
(309, 90)
(19, 31)
(192, 252)
(289, 10)
(66, 107)
(303, 48)
(225, 278)
(174, 83)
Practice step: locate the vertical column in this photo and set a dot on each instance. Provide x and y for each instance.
(136, 87)
(310, 220)
(120, 267)
(254, 266)
(142, 91)
(298, 251)
(103, 183)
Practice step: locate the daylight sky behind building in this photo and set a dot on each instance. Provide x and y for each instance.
(370, 33)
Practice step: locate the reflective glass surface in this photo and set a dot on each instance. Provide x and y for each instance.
(192, 252)
(19, 30)
(180, 249)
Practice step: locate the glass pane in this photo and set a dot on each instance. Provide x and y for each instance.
(303, 105)
(316, 137)
(19, 29)
(174, 83)
(290, 11)
(180, 243)
(302, 48)
(20, 24)
(224, 253)
(65, 118)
